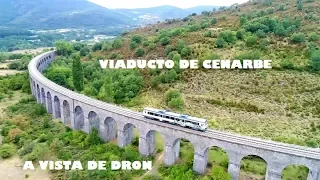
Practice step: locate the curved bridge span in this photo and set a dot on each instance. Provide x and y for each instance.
(83, 113)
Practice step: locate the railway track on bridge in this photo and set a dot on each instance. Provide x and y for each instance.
(225, 136)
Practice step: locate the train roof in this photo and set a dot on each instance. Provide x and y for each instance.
(177, 115)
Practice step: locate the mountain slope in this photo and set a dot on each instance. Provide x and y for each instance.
(59, 13)
(39, 14)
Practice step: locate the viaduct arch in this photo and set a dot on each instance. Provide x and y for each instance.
(82, 113)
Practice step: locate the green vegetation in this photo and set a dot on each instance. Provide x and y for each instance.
(77, 73)
(7, 150)
(278, 104)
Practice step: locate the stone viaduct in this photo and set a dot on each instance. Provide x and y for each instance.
(82, 113)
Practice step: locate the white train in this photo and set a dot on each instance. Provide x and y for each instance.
(175, 118)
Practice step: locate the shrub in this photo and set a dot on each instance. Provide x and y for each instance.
(313, 37)
(136, 38)
(151, 46)
(38, 152)
(214, 21)
(240, 34)
(228, 36)
(145, 43)
(220, 43)
(27, 148)
(171, 94)
(315, 60)
(15, 134)
(164, 41)
(186, 51)
(176, 103)
(84, 51)
(140, 52)
(168, 49)
(7, 150)
(218, 173)
(298, 38)
(251, 40)
(208, 34)
(133, 45)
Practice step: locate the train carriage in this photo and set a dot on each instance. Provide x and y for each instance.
(175, 118)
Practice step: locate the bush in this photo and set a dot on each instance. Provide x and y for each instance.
(251, 40)
(313, 37)
(186, 51)
(240, 34)
(151, 46)
(298, 38)
(208, 34)
(220, 43)
(171, 94)
(315, 60)
(176, 103)
(214, 21)
(218, 173)
(136, 38)
(228, 36)
(133, 45)
(7, 150)
(164, 41)
(140, 52)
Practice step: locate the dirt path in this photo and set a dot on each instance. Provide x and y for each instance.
(11, 169)
(155, 167)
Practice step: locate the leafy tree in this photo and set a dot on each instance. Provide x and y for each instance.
(107, 92)
(77, 73)
(84, 51)
(59, 75)
(97, 46)
(315, 60)
(64, 48)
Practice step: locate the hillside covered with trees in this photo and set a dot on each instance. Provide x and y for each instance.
(279, 104)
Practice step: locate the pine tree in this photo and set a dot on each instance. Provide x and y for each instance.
(77, 73)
